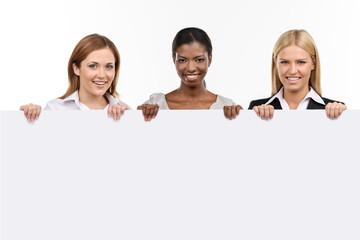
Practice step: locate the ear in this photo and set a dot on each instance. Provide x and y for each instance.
(76, 69)
(210, 59)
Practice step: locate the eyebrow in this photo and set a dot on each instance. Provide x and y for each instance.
(295, 59)
(93, 62)
(179, 56)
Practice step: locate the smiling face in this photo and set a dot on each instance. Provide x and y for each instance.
(192, 62)
(96, 73)
(294, 66)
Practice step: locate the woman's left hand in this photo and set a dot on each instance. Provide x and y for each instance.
(334, 109)
(231, 112)
(117, 110)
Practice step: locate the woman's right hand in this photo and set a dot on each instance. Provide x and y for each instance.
(265, 112)
(149, 111)
(31, 111)
(231, 112)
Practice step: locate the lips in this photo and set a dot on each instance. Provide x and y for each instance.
(293, 79)
(192, 77)
(99, 83)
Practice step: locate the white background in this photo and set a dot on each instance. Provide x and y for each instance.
(37, 38)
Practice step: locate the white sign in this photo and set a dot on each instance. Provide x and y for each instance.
(184, 175)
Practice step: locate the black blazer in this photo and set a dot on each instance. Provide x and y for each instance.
(277, 105)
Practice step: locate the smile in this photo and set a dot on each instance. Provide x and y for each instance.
(192, 77)
(99, 83)
(293, 79)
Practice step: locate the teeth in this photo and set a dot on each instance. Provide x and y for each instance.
(293, 79)
(191, 77)
(100, 83)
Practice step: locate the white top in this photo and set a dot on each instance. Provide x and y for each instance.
(160, 100)
(72, 103)
(303, 104)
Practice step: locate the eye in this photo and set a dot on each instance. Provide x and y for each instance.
(200, 60)
(301, 62)
(180, 60)
(109, 66)
(93, 66)
(284, 62)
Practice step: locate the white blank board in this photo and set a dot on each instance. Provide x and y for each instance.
(185, 175)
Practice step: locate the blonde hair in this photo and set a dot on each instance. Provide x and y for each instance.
(302, 39)
(84, 47)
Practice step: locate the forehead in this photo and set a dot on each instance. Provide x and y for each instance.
(293, 52)
(101, 55)
(191, 49)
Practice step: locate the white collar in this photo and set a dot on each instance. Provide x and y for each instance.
(311, 94)
(75, 97)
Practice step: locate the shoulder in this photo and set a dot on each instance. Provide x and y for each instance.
(159, 99)
(258, 102)
(221, 102)
(327, 100)
(60, 104)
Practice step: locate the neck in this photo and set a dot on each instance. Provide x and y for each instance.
(293, 99)
(192, 92)
(92, 101)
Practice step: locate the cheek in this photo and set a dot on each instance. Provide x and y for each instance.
(281, 70)
(110, 74)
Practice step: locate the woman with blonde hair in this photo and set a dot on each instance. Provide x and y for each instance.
(93, 70)
(296, 78)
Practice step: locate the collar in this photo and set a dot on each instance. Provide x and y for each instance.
(311, 95)
(75, 97)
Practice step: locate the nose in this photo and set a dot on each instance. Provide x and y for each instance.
(101, 72)
(293, 69)
(191, 67)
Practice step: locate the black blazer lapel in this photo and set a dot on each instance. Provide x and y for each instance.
(276, 104)
(315, 105)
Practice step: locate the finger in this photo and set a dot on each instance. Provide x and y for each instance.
(267, 113)
(38, 112)
(118, 112)
(262, 111)
(224, 110)
(271, 111)
(156, 111)
(330, 111)
(228, 112)
(147, 113)
(109, 110)
(113, 111)
(337, 111)
(233, 112)
(342, 108)
(238, 108)
(151, 112)
(33, 114)
(25, 108)
(256, 109)
(29, 113)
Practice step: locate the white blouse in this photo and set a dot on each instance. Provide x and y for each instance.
(160, 100)
(72, 103)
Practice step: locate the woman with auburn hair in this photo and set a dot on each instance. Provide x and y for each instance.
(192, 56)
(93, 71)
(296, 78)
